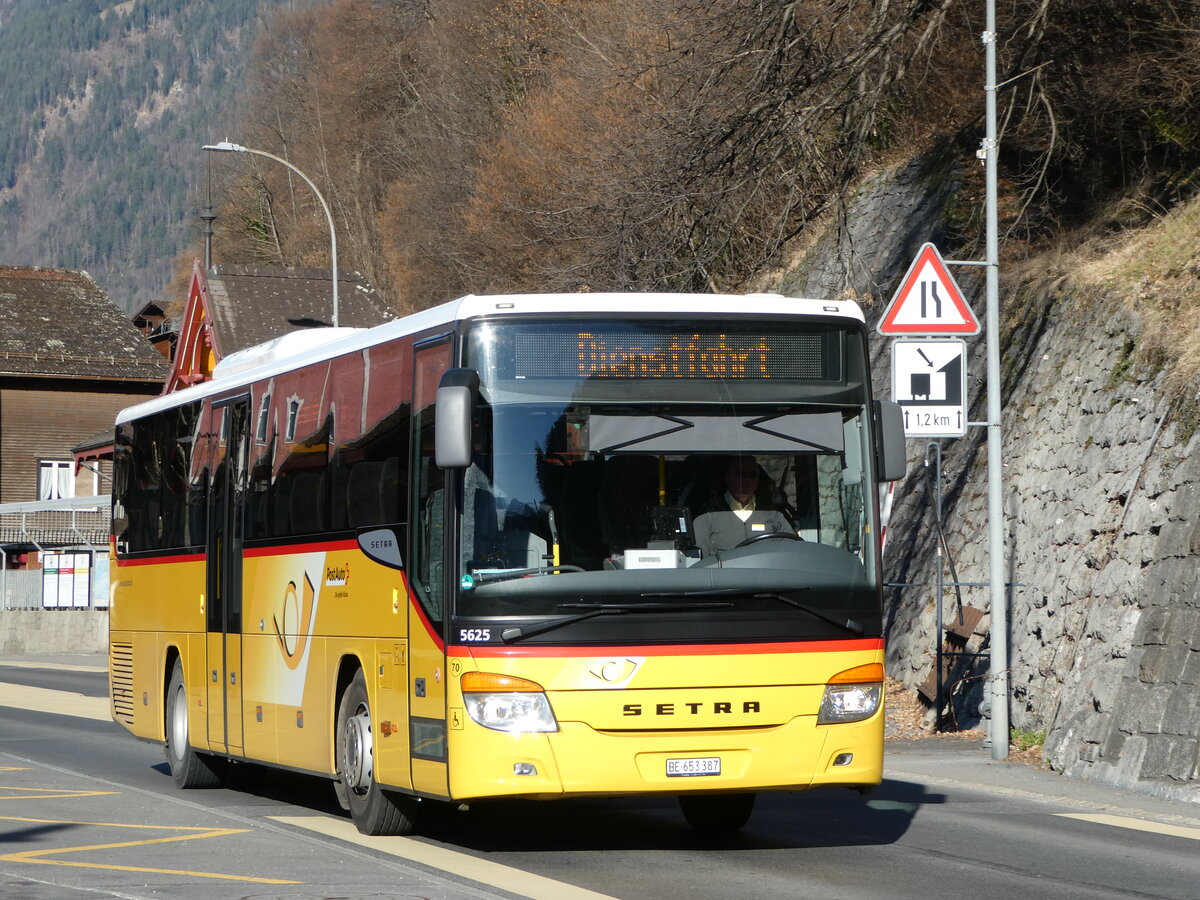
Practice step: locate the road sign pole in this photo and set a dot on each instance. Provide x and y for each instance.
(996, 577)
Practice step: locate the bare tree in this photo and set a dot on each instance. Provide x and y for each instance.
(475, 145)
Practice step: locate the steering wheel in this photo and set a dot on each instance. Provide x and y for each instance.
(780, 535)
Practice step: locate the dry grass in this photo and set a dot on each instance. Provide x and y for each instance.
(1157, 271)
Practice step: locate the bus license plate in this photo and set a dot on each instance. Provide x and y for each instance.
(705, 765)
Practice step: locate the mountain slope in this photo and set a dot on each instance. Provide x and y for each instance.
(105, 109)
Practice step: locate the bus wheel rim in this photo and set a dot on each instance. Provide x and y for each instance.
(358, 751)
(179, 723)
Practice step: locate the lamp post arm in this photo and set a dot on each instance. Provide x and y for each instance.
(226, 146)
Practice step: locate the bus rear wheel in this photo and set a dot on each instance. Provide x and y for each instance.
(189, 768)
(374, 810)
(717, 813)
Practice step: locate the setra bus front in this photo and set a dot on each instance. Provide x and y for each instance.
(657, 545)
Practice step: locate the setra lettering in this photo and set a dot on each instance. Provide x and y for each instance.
(693, 708)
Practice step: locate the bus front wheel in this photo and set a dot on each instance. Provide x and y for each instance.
(374, 810)
(189, 768)
(717, 813)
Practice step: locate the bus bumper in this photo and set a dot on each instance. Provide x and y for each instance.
(580, 761)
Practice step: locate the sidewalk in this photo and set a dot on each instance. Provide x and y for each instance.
(77, 662)
(955, 761)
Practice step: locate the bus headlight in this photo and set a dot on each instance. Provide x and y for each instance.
(852, 695)
(506, 703)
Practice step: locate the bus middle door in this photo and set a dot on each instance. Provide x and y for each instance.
(226, 515)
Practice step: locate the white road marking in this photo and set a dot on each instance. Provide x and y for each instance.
(63, 703)
(515, 881)
(1136, 824)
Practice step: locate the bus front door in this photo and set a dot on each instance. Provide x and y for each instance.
(426, 650)
(224, 609)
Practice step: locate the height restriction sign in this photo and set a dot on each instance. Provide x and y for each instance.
(929, 381)
(928, 300)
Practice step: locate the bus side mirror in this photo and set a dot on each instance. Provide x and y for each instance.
(889, 419)
(452, 418)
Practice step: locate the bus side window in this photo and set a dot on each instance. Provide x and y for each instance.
(299, 492)
(152, 463)
(365, 474)
(431, 542)
(122, 480)
(429, 363)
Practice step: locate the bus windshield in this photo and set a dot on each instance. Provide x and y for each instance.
(613, 472)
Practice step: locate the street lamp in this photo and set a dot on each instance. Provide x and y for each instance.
(228, 147)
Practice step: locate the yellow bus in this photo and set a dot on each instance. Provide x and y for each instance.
(522, 546)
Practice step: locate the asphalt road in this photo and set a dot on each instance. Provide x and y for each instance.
(88, 811)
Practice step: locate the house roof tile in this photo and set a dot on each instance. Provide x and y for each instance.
(253, 304)
(57, 322)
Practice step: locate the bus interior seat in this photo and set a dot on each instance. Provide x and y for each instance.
(305, 505)
(580, 531)
(629, 487)
(364, 499)
(339, 514)
(518, 541)
(197, 500)
(391, 497)
(808, 504)
(480, 518)
(705, 482)
(281, 504)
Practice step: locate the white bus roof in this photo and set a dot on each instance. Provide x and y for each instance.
(301, 348)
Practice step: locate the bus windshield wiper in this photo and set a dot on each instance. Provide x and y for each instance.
(509, 574)
(849, 625)
(508, 635)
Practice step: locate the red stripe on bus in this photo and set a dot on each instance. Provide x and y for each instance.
(160, 560)
(286, 549)
(248, 553)
(745, 649)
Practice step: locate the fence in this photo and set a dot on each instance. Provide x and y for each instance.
(49, 526)
(21, 589)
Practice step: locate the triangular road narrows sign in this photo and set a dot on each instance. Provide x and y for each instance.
(928, 301)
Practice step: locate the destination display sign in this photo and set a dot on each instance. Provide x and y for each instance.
(622, 351)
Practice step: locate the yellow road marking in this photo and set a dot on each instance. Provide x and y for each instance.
(20, 696)
(37, 857)
(1136, 824)
(515, 881)
(49, 793)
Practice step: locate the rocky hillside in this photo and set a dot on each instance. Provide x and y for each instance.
(1101, 480)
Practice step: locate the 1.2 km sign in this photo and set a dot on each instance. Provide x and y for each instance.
(929, 380)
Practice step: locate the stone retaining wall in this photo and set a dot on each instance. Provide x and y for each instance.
(1102, 509)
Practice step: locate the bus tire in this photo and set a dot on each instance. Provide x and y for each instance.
(717, 813)
(189, 768)
(374, 810)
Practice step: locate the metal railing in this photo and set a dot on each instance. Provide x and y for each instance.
(50, 525)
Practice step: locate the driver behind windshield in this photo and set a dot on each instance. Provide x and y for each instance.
(740, 512)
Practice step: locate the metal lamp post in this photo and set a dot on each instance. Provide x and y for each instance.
(229, 147)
